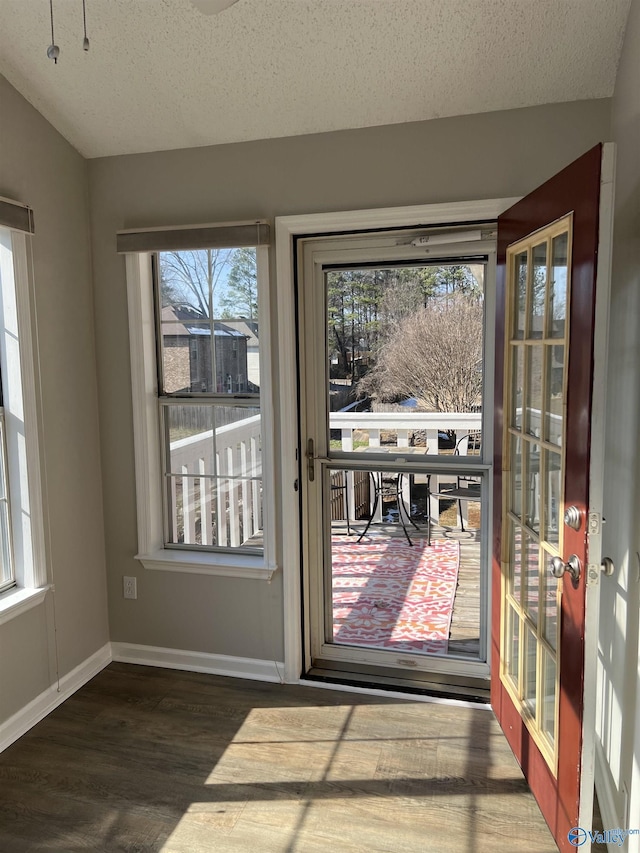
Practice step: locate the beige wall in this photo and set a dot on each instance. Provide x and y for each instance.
(620, 601)
(493, 155)
(39, 167)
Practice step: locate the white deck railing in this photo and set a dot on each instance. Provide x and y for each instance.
(370, 425)
(216, 481)
(403, 425)
(216, 484)
(216, 487)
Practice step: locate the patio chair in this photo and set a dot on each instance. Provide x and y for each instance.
(389, 485)
(467, 486)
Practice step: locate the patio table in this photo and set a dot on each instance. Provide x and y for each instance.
(389, 484)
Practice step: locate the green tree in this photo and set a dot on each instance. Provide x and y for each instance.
(241, 296)
(455, 279)
(406, 290)
(353, 305)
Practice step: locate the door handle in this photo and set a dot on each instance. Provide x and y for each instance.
(573, 517)
(558, 567)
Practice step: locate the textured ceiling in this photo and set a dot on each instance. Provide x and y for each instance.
(162, 75)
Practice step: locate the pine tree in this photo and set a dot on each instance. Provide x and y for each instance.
(240, 299)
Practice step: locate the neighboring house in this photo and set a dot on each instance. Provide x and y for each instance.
(249, 328)
(188, 365)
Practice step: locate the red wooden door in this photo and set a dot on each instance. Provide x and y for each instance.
(546, 300)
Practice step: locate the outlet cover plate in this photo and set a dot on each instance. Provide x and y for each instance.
(129, 587)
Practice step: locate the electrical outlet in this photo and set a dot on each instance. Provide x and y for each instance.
(129, 587)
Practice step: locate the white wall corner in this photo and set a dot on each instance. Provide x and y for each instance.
(49, 699)
(213, 664)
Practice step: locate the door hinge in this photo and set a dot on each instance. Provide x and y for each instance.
(311, 465)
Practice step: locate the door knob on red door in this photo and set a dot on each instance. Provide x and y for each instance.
(558, 567)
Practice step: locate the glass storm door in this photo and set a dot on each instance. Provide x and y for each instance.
(546, 527)
(396, 554)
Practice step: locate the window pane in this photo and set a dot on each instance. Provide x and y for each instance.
(534, 389)
(515, 563)
(521, 283)
(558, 286)
(530, 668)
(405, 339)
(516, 475)
(209, 295)
(190, 437)
(512, 635)
(549, 696)
(531, 584)
(532, 486)
(539, 260)
(518, 384)
(214, 475)
(554, 402)
(551, 471)
(550, 609)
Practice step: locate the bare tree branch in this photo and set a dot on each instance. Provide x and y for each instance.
(435, 355)
(191, 277)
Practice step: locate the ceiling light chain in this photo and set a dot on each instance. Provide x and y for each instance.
(53, 51)
(85, 41)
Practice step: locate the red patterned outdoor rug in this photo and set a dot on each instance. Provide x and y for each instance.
(390, 595)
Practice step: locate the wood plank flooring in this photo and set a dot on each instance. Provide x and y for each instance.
(144, 759)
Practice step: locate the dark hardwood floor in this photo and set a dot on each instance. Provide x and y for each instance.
(146, 759)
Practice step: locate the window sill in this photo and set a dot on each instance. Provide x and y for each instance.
(14, 602)
(201, 563)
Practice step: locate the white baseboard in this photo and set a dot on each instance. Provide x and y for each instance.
(49, 699)
(605, 790)
(236, 667)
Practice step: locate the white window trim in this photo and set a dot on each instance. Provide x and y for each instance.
(287, 229)
(22, 421)
(152, 552)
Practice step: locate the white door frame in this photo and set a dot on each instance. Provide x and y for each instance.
(287, 228)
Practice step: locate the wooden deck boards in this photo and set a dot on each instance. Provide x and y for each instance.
(144, 759)
(464, 637)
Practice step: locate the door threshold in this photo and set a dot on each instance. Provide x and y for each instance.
(479, 691)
